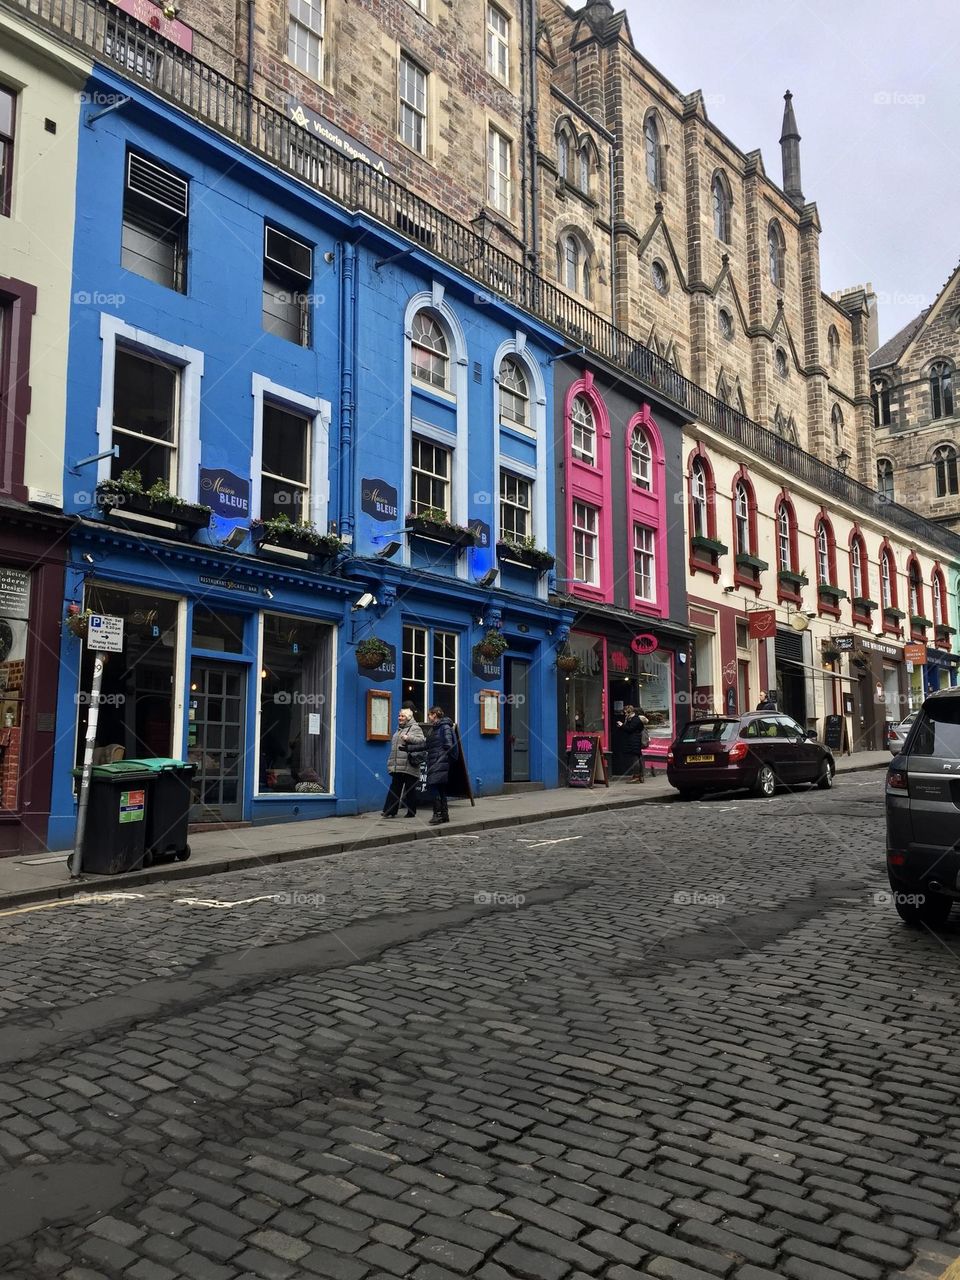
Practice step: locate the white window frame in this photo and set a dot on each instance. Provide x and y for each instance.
(318, 468)
(114, 331)
(499, 171)
(424, 638)
(419, 344)
(886, 585)
(310, 26)
(586, 525)
(498, 43)
(511, 473)
(581, 452)
(641, 460)
(527, 427)
(823, 555)
(698, 494)
(856, 564)
(784, 540)
(516, 351)
(645, 554)
(418, 438)
(741, 519)
(418, 115)
(936, 597)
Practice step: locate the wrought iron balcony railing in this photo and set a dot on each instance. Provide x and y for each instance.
(118, 41)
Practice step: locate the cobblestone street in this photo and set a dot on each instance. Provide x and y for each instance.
(687, 1040)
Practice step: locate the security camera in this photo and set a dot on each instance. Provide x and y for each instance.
(811, 615)
(365, 601)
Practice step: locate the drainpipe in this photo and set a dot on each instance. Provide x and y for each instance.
(534, 142)
(613, 237)
(524, 189)
(251, 8)
(348, 324)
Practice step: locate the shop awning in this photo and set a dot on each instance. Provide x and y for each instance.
(631, 622)
(820, 671)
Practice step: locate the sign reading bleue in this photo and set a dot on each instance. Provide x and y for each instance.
(379, 499)
(228, 494)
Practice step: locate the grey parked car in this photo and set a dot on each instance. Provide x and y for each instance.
(923, 814)
(898, 733)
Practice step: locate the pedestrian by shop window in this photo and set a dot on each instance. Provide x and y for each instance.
(286, 454)
(586, 567)
(516, 507)
(584, 437)
(498, 43)
(941, 390)
(429, 352)
(305, 36)
(146, 394)
(155, 223)
(514, 395)
(945, 469)
(412, 104)
(429, 670)
(287, 279)
(8, 120)
(296, 704)
(430, 477)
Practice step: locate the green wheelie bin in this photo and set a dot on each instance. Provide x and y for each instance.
(117, 812)
(168, 812)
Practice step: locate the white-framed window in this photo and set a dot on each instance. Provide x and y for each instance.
(938, 614)
(305, 36)
(644, 563)
(412, 104)
(154, 237)
(584, 437)
(150, 407)
(513, 395)
(430, 472)
(499, 172)
(429, 670)
(823, 555)
(586, 566)
(741, 517)
(698, 493)
(641, 460)
(784, 540)
(287, 277)
(429, 352)
(516, 507)
(856, 567)
(498, 43)
(289, 467)
(886, 586)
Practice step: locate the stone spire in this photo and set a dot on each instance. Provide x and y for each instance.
(790, 152)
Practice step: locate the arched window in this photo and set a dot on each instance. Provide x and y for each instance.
(429, 352)
(858, 568)
(584, 440)
(698, 499)
(584, 161)
(741, 519)
(651, 144)
(823, 554)
(881, 403)
(514, 394)
(780, 362)
(833, 346)
(587, 288)
(885, 478)
(776, 253)
(563, 155)
(941, 390)
(836, 422)
(945, 467)
(641, 460)
(786, 538)
(936, 595)
(721, 207)
(888, 579)
(573, 266)
(915, 581)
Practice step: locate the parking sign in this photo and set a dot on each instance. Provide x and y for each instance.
(104, 633)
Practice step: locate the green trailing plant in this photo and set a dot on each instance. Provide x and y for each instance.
(372, 652)
(570, 663)
(78, 623)
(527, 549)
(282, 528)
(493, 644)
(129, 484)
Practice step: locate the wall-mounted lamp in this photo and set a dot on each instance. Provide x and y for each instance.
(488, 579)
(843, 460)
(728, 590)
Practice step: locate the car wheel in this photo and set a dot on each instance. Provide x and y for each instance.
(932, 909)
(765, 783)
(825, 781)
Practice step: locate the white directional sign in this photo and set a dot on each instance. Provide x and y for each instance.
(105, 634)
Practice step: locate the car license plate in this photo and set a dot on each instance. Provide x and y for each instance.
(700, 759)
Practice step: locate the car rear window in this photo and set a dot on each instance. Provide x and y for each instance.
(937, 730)
(710, 731)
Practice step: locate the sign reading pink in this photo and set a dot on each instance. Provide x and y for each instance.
(644, 643)
(151, 16)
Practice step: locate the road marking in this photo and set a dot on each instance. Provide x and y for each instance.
(563, 840)
(222, 906)
(80, 899)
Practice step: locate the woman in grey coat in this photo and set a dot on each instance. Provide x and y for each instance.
(407, 749)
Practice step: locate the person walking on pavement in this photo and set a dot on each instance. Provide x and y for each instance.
(768, 701)
(408, 748)
(442, 752)
(635, 740)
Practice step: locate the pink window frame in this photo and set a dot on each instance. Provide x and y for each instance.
(590, 484)
(646, 507)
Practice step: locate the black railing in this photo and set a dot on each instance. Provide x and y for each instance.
(117, 40)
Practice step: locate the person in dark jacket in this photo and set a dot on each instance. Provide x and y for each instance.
(442, 752)
(407, 749)
(768, 701)
(633, 728)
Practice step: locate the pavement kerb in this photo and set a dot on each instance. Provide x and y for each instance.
(194, 871)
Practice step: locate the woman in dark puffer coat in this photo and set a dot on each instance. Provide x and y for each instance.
(442, 752)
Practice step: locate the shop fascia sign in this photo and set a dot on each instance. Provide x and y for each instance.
(334, 137)
(846, 643)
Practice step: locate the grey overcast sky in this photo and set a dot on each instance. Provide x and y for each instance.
(878, 106)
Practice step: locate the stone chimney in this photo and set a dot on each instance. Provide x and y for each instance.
(790, 153)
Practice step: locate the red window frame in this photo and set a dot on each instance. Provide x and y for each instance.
(785, 593)
(7, 142)
(861, 589)
(824, 607)
(702, 561)
(745, 577)
(915, 580)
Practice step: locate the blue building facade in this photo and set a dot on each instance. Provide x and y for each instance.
(239, 343)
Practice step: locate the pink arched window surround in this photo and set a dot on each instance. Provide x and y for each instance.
(590, 484)
(646, 507)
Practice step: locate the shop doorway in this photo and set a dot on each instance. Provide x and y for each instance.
(216, 740)
(517, 720)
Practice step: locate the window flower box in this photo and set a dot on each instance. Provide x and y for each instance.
(435, 525)
(944, 630)
(831, 592)
(127, 497)
(754, 563)
(919, 623)
(283, 534)
(894, 615)
(712, 546)
(533, 557)
(863, 605)
(794, 581)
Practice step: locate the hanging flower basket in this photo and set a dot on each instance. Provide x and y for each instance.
(492, 645)
(78, 623)
(372, 653)
(569, 663)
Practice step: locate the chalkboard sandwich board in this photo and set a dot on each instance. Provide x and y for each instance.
(586, 764)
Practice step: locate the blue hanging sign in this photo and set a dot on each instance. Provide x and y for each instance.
(380, 500)
(227, 493)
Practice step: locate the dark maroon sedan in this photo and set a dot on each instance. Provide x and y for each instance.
(758, 751)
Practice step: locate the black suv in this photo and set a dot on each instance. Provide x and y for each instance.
(923, 814)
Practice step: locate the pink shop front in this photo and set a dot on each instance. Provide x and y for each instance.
(626, 661)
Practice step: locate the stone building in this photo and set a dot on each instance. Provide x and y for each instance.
(916, 414)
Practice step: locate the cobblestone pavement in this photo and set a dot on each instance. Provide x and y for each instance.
(683, 1041)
